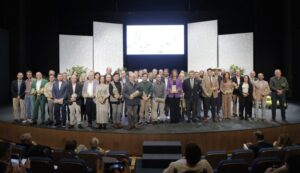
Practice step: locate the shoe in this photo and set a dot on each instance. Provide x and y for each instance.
(29, 121)
(136, 126)
(119, 125)
(42, 123)
(104, 126)
(80, 126)
(115, 126)
(63, 126)
(24, 121)
(131, 127)
(33, 123)
(71, 126)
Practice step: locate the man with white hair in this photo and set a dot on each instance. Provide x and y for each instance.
(131, 93)
(261, 90)
(37, 89)
(279, 86)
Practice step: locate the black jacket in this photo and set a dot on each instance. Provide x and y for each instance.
(234, 79)
(78, 91)
(189, 92)
(14, 89)
(250, 90)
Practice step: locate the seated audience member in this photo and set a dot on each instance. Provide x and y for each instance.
(70, 146)
(26, 141)
(39, 151)
(5, 160)
(95, 146)
(80, 148)
(284, 140)
(292, 165)
(191, 162)
(259, 143)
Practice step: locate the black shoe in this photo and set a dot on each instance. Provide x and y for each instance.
(49, 123)
(104, 126)
(80, 126)
(33, 123)
(42, 124)
(71, 126)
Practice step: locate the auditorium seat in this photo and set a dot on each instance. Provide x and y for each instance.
(215, 157)
(19, 150)
(230, 166)
(247, 155)
(270, 152)
(260, 165)
(58, 154)
(72, 166)
(291, 151)
(41, 164)
(111, 164)
(92, 159)
(120, 155)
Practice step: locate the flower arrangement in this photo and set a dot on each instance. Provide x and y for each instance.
(234, 68)
(77, 69)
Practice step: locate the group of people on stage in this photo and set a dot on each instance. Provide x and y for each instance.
(144, 97)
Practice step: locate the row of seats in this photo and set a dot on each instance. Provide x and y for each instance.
(85, 161)
(241, 158)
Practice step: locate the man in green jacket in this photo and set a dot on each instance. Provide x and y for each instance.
(37, 90)
(146, 89)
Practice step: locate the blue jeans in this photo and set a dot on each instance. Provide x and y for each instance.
(281, 99)
(29, 106)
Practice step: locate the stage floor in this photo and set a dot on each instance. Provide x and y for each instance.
(292, 114)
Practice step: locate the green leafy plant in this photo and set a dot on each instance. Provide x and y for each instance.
(77, 69)
(234, 68)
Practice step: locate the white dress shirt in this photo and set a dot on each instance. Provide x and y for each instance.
(245, 87)
(38, 84)
(90, 88)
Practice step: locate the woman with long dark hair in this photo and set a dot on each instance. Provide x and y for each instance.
(174, 91)
(245, 98)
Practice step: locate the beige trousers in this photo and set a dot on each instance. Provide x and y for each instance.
(75, 114)
(226, 105)
(235, 101)
(18, 109)
(144, 109)
(161, 107)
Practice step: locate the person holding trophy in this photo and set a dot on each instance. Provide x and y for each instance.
(37, 90)
(146, 89)
(60, 94)
(102, 103)
(174, 90)
(132, 93)
(89, 93)
(115, 91)
(158, 100)
(75, 101)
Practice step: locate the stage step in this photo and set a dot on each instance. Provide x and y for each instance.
(162, 147)
(158, 160)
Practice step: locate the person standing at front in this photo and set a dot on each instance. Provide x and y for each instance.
(102, 103)
(18, 93)
(37, 90)
(89, 93)
(60, 95)
(75, 102)
(146, 89)
(50, 100)
(174, 90)
(261, 90)
(115, 90)
(210, 87)
(132, 93)
(158, 100)
(279, 86)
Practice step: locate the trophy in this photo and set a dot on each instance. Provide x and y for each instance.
(33, 91)
(74, 95)
(116, 93)
(134, 94)
(174, 89)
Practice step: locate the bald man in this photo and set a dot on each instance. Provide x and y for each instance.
(279, 86)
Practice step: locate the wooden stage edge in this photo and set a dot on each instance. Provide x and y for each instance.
(132, 142)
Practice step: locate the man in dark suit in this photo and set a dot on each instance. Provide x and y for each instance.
(259, 143)
(60, 94)
(18, 88)
(75, 101)
(191, 88)
(237, 79)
